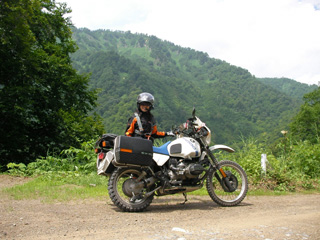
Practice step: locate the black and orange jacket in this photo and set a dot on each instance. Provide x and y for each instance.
(148, 123)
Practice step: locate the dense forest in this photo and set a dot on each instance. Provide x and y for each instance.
(44, 102)
(288, 86)
(228, 98)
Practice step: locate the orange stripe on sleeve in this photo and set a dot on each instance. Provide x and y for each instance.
(155, 131)
(130, 130)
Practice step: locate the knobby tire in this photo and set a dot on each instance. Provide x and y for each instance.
(117, 195)
(218, 191)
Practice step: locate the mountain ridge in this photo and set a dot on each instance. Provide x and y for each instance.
(228, 98)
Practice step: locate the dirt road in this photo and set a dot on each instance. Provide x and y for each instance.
(276, 217)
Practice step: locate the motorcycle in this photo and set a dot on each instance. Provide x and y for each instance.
(138, 171)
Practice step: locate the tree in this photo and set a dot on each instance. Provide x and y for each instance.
(306, 125)
(39, 89)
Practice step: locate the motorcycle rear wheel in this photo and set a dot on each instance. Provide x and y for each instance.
(238, 180)
(120, 187)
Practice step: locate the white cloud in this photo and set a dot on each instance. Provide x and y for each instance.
(270, 38)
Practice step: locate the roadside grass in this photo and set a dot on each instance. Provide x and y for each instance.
(75, 187)
(71, 175)
(55, 189)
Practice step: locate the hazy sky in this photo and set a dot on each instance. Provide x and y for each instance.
(270, 38)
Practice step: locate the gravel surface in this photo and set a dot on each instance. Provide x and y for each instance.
(267, 217)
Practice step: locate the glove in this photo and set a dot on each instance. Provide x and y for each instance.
(171, 134)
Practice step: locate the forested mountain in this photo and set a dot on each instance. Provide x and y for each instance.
(229, 99)
(289, 86)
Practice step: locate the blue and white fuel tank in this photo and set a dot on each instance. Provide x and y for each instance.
(184, 147)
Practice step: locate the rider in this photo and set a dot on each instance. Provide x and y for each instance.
(142, 123)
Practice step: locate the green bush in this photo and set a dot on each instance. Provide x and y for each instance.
(294, 166)
(71, 160)
(304, 159)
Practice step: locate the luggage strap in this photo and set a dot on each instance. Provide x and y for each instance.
(139, 121)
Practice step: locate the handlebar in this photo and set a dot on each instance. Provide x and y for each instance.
(189, 130)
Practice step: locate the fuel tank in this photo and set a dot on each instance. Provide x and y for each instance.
(184, 147)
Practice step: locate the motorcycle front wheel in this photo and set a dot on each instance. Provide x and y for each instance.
(125, 191)
(229, 190)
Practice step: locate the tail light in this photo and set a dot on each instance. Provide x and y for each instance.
(101, 155)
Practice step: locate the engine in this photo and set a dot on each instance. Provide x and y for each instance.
(180, 170)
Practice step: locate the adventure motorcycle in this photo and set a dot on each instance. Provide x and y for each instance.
(138, 170)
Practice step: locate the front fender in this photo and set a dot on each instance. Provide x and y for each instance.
(221, 147)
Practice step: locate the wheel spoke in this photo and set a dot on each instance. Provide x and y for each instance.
(126, 192)
(228, 193)
(127, 180)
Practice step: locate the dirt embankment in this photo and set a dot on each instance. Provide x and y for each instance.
(276, 217)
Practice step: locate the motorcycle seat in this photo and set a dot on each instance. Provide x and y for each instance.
(162, 149)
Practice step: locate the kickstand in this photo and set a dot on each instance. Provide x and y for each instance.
(185, 198)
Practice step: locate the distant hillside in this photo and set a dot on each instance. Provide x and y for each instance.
(229, 99)
(288, 86)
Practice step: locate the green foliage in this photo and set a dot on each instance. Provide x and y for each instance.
(68, 176)
(249, 158)
(79, 127)
(296, 164)
(306, 124)
(53, 187)
(70, 161)
(40, 90)
(304, 158)
(72, 174)
(45, 103)
(288, 86)
(229, 99)
(120, 81)
(17, 169)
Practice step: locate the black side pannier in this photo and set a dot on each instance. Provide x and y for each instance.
(106, 141)
(132, 150)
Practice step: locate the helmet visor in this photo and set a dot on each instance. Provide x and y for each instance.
(145, 104)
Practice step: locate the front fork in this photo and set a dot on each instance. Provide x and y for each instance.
(215, 164)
